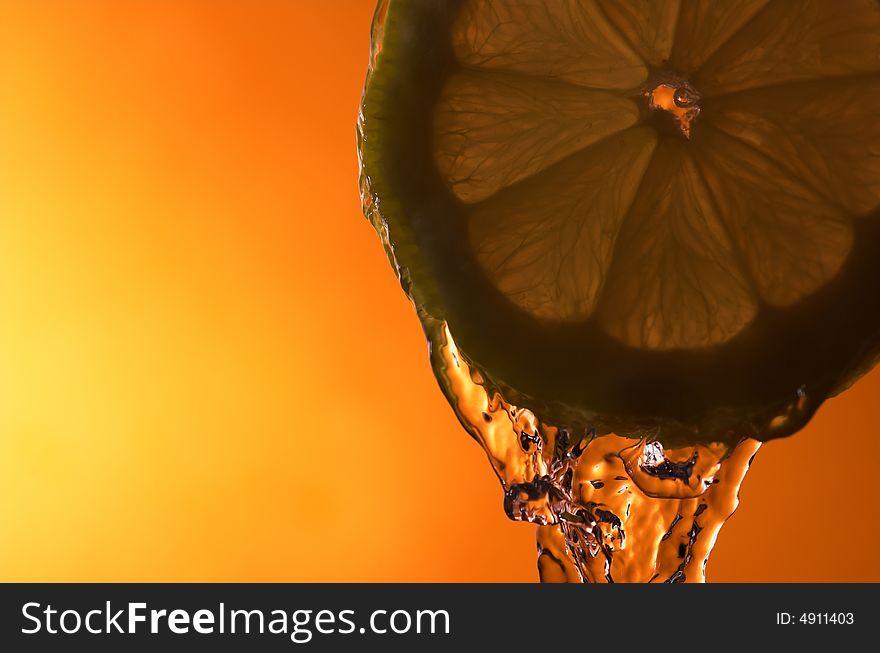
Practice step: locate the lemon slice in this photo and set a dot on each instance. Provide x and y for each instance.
(636, 214)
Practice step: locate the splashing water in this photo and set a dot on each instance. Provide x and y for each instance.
(608, 508)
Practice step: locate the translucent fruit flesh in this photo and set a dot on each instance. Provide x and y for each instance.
(617, 267)
(542, 93)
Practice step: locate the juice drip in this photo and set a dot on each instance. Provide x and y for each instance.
(624, 531)
(608, 508)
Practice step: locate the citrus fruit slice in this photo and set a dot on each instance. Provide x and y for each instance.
(633, 214)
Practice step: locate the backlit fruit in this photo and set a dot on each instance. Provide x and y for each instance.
(634, 214)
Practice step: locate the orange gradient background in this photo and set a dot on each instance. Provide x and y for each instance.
(208, 371)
